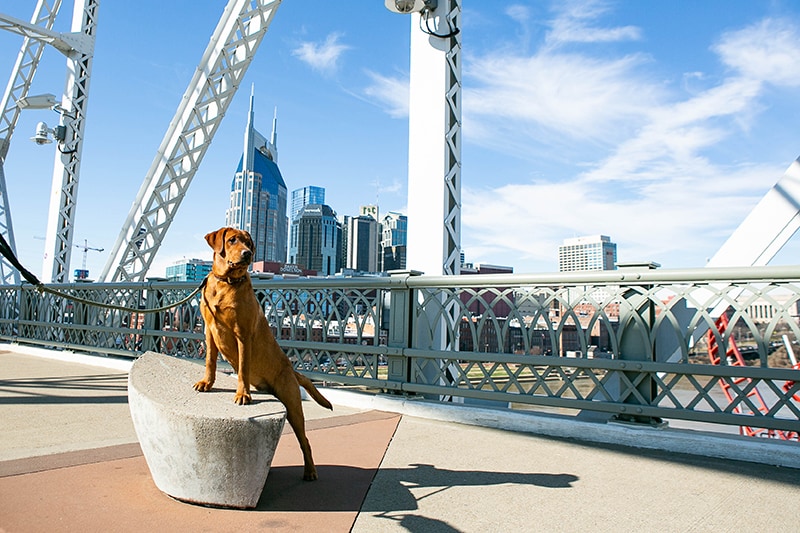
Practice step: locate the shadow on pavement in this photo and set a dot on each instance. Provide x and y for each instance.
(343, 488)
(96, 388)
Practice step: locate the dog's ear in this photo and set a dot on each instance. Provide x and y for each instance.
(216, 240)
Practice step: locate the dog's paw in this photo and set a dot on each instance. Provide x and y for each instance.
(242, 398)
(203, 386)
(310, 474)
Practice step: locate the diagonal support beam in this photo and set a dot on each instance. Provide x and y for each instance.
(44, 16)
(216, 80)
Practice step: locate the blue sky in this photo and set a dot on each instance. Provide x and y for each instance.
(660, 124)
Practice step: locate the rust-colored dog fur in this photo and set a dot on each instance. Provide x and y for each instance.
(237, 328)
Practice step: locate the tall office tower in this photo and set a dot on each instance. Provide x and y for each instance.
(393, 241)
(361, 241)
(316, 240)
(300, 198)
(595, 252)
(258, 194)
(306, 196)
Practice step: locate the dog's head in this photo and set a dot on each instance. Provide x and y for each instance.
(233, 251)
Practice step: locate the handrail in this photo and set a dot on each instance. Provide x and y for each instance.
(627, 343)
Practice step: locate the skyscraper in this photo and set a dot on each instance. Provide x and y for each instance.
(595, 252)
(393, 241)
(306, 196)
(258, 194)
(361, 240)
(316, 240)
(300, 198)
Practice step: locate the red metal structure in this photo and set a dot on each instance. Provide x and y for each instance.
(732, 386)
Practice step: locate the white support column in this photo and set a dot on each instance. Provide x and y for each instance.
(434, 172)
(66, 171)
(434, 145)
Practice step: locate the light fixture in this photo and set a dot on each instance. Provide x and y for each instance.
(405, 7)
(40, 101)
(42, 135)
(425, 8)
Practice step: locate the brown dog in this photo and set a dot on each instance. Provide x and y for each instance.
(237, 328)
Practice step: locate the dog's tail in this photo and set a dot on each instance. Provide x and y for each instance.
(312, 390)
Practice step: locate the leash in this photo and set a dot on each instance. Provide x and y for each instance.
(8, 253)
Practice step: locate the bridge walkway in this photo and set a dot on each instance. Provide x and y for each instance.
(69, 461)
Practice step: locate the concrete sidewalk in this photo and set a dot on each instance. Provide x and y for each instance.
(69, 461)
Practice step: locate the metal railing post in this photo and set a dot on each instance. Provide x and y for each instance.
(23, 312)
(399, 326)
(637, 315)
(152, 321)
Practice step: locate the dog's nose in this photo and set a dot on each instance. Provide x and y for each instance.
(247, 255)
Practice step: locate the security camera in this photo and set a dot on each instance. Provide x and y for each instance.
(42, 134)
(405, 7)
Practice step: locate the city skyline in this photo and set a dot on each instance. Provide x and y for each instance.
(660, 124)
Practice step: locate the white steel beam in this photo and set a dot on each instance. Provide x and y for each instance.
(434, 167)
(434, 144)
(66, 170)
(44, 15)
(760, 236)
(67, 43)
(216, 80)
(767, 228)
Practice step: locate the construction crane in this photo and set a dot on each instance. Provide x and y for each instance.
(84, 273)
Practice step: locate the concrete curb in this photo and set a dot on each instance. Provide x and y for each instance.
(698, 443)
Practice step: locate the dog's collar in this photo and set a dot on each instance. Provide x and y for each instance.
(231, 281)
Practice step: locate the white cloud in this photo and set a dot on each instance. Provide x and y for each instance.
(767, 51)
(322, 57)
(658, 191)
(574, 24)
(567, 94)
(518, 12)
(649, 174)
(686, 215)
(391, 93)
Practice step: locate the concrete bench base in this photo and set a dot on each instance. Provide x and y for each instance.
(201, 447)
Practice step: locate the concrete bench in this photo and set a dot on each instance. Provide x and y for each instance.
(201, 447)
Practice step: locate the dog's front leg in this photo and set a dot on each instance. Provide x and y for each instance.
(243, 388)
(212, 353)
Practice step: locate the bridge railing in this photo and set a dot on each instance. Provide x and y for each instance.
(631, 343)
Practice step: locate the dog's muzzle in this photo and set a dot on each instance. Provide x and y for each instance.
(244, 259)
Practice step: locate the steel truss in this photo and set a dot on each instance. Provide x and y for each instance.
(78, 46)
(452, 178)
(216, 80)
(44, 16)
(64, 193)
